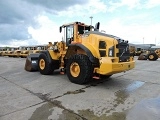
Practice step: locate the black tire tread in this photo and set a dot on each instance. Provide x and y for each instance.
(85, 66)
(155, 56)
(48, 66)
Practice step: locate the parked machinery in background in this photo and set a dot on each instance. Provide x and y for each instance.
(154, 55)
(5, 51)
(10, 52)
(39, 48)
(18, 51)
(26, 51)
(151, 55)
(132, 50)
(138, 51)
(2, 51)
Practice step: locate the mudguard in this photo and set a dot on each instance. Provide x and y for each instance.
(93, 59)
(32, 62)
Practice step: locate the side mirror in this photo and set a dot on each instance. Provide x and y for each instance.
(60, 29)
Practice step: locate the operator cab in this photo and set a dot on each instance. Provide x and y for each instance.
(71, 31)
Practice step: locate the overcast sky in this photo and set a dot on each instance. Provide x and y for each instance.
(30, 22)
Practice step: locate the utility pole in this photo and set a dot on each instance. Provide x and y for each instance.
(143, 40)
(91, 19)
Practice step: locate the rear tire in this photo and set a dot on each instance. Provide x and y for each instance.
(44, 66)
(79, 69)
(152, 56)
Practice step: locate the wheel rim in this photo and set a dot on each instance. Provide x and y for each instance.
(74, 69)
(151, 56)
(42, 64)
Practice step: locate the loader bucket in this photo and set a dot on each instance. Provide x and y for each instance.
(143, 56)
(32, 62)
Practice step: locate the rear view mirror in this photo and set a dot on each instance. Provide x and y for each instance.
(60, 29)
(97, 26)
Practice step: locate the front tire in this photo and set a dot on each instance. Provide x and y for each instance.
(152, 57)
(79, 69)
(44, 66)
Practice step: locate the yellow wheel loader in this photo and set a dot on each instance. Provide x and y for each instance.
(138, 51)
(17, 52)
(9, 52)
(39, 48)
(26, 51)
(31, 49)
(6, 52)
(154, 55)
(84, 53)
(3, 52)
(132, 50)
(150, 55)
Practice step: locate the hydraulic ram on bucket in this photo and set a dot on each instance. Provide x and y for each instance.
(32, 62)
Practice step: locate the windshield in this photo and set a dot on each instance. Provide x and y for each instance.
(138, 49)
(28, 48)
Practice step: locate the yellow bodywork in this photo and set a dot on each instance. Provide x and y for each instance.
(108, 65)
(84, 53)
(157, 51)
(25, 51)
(3, 52)
(132, 50)
(40, 48)
(54, 55)
(17, 52)
(106, 54)
(8, 52)
(32, 49)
